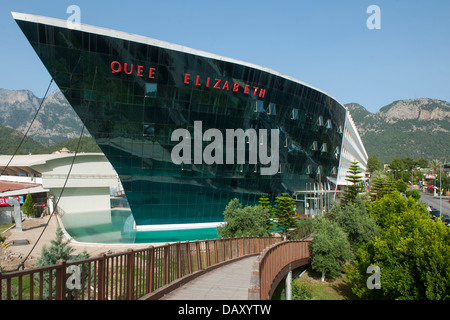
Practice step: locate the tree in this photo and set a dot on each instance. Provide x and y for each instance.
(412, 252)
(243, 222)
(355, 222)
(269, 223)
(284, 212)
(329, 247)
(58, 250)
(397, 165)
(435, 166)
(380, 185)
(28, 206)
(422, 163)
(401, 186)
(353, 176)
(408, 162)
(373, 164)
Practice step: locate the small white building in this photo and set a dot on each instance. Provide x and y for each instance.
(86, 185)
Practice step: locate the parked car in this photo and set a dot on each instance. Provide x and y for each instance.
(446, 219)
(434, 213)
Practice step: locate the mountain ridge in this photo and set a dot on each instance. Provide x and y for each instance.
(413, 128)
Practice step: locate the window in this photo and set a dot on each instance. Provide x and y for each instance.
(150, 90)
(294, 114)
(320, 121)
(323, 148)
(336, 152)
(314, 146)
(259, 106)
(329, 125)
(149, 130)
(272, 109)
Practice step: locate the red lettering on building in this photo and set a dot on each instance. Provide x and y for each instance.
(125, 68)
(262, 93)
(225, 86)
(118, 67)
(186, 78)
(151, 73)
(220, 84)
(140, 69)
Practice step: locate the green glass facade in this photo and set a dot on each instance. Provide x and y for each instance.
(132, 96)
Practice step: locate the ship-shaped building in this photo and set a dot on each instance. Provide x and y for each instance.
(187, 131)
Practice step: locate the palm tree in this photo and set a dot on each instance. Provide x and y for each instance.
(435, 166)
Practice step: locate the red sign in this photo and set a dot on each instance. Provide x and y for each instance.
(116, 67)
(4, 200)
(224, 85)
(208, 82)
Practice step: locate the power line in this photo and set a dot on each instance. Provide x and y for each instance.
(22, 264)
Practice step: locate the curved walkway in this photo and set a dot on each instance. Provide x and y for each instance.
(229, 282)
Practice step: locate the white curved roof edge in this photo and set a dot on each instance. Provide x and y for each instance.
(146, 40)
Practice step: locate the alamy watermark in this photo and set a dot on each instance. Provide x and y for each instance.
(74, 20)
(374, 281)
(374, 20)
(213, 153)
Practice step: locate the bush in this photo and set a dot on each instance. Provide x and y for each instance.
(242, 221)
(301, 291)
(414, 194)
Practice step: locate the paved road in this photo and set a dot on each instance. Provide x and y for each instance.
(434, 201)
(229, 282)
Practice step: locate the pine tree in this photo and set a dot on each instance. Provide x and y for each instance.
(28, 206)
(354, 177)
(284, 212)
(58, 250)
(269, 221)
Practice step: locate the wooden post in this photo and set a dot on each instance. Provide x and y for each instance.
(199, 258)
(60, 279)
(208, 262)
(150, 268)
(178, 259)
(188, 253)
(166, 252)
(130, 274)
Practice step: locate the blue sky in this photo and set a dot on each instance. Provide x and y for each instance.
(324, 43)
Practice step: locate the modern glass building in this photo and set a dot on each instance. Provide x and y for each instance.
(146, 101)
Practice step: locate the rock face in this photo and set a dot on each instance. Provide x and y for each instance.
(405, 128)
(55, 122)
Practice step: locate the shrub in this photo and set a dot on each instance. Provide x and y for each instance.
(301, 291)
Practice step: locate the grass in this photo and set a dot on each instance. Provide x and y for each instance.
(335, 289)
(3, 227)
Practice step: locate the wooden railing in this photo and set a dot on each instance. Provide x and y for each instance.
(128, 275)
(273, 264)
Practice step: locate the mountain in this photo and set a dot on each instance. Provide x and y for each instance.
(9, 145)
(56, 121)
(413, 128)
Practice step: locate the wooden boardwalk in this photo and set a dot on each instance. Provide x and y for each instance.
(229, 282)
